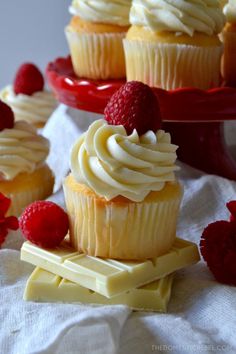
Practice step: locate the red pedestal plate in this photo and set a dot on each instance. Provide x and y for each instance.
(195, 118)
(202, 145)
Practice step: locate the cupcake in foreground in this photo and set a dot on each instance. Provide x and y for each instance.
(95, 36)
(174, 44)
(28, 98)
(229, 39)
(122, 197)
(24, 175)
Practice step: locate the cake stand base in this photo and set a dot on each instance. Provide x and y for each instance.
(203, 146)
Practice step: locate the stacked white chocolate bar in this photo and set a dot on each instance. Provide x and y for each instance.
(65, 275)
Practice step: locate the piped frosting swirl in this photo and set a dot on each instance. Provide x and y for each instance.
(21, 150)
(102, 11)
(184, 16)
(34, 109)
(112, 163)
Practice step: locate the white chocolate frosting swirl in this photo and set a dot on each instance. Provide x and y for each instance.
(34, 109)
(111, 163)
(21, 150)
(184, 16)
(230, 11)
(102, 11)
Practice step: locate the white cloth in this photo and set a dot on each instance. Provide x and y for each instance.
(62, 129)
(202, 313)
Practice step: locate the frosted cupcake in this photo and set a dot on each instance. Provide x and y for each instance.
(174, 44)
(28, 98)
(229, 39)
(122, 197)
(95, 36)
(24, 175)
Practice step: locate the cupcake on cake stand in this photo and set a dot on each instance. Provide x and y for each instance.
(195, 118)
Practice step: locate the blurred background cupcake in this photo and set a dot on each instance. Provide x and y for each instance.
(95, 36)
(28, 98)
(174, 44)
(24, 175)
(229, 40)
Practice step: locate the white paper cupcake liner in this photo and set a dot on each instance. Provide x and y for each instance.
(22, 199)
(229, 57)
(121, 230)
(171, 66)
(30, 191)
(97, 56)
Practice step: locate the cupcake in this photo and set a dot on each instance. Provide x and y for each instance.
(122, 197)
(95, 36)
(24, 175)
(229, 40)
(28, 98)
(174, 44)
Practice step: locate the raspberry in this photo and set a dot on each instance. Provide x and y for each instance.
(44, 224)
(6, 116)
(6, 223)
(232, 208)
(135, 106)
(28, 80)
(4, 205)
(218, 248)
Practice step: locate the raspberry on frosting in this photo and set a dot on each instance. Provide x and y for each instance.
(218, 247)
(6, 116)
(44, 223)
(135, 106)
(28, 80)
(6, 223)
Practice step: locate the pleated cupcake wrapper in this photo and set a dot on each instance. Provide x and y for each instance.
(125, 231)
(22, 198)
(229, 57)
(171, 66)
(97, 56)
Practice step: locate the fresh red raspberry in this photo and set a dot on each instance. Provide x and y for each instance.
(135, 106)
(28, 80)
(218, 248)
(6, 116)
(232, 208)
(4, 205)
(6, 223)
(44, 224)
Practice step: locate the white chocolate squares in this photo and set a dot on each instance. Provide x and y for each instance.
(141, 285)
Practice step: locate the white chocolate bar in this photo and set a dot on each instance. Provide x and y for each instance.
(109, 277)
(43, 286)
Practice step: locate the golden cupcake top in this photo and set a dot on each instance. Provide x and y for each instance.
(102, 11)
(112, 163)
(21, 150)
(230, 11)
(181, 16)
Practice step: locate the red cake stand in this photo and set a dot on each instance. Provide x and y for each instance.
(195, 118)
